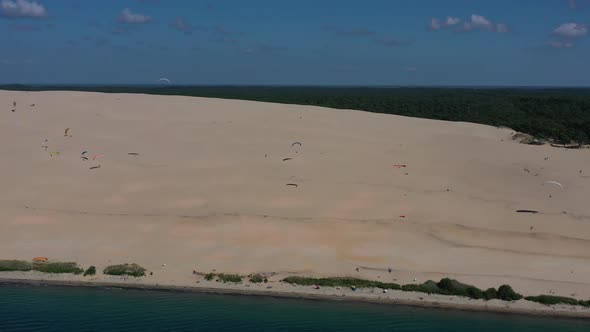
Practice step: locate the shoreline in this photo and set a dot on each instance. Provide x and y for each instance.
(508, 308)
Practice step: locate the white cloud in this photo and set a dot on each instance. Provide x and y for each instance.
(481, 22)
(571, 30)
(452, 21)
(478, 22)
(183, 26)
(127, 16)
(437, 24)
(22, 9)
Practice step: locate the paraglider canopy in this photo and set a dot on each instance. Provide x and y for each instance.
(165, 80)
(555, 183)
(40, 259)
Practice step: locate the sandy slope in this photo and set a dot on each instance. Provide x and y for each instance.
(208, 191)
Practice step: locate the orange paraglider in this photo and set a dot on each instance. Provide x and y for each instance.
(40, 259)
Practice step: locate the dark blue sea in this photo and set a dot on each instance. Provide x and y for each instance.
(50, 308)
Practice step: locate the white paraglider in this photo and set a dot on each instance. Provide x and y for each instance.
(165, 80)
(556, 184)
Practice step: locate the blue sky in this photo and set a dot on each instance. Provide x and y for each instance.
(317, 42)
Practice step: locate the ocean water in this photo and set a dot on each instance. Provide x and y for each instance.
(49, 308)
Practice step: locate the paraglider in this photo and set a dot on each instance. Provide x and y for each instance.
(163, 79)
(285, 159)
(292, 185)
(84, 152)
(295, 144)
(66, 132)
(83, 158)
(40, 259)
(527, 211)
(95, 167)
(133, 154)
(555, 183)
(98, 156)
(295, 179)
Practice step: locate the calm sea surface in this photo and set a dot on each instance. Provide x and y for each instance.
(41, 308)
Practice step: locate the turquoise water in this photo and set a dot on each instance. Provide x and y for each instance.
(40, 308)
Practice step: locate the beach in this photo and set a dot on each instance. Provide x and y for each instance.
(182, 184)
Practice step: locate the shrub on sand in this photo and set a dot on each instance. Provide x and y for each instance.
(551, 299)
(58, 267)
(132, 269)
(229, 277)
(90, 271)
(506, 293)
(257, 278)
(343, 282)
(490, 293)
(15, 265)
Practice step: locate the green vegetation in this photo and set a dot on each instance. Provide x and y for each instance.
(445, 286)
(229, 278)
(448, 286)
(584, 303)
(559, 114)
(257, 278)
(429, 287)
(133, 270)
(58, 267)
(506, 293)
(223, 277)
(15, 265)
(90, 271)
(47, 267)
(551, 299)
(343, 282)
(490, 293)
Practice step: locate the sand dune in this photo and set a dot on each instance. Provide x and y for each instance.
(208, 190)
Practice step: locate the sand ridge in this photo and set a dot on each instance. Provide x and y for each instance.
(208, 188)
